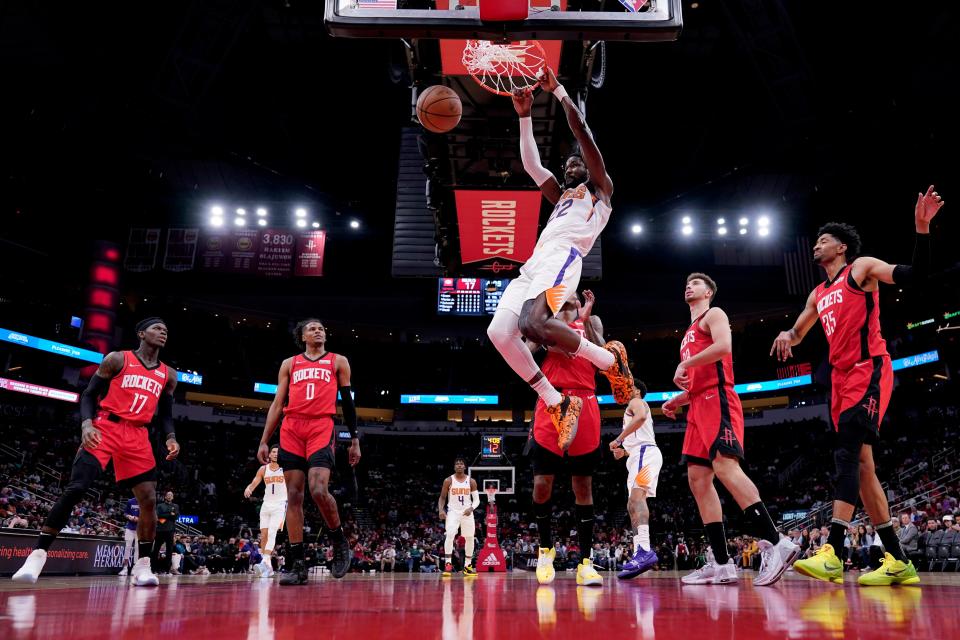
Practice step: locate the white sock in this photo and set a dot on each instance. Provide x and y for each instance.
(643, 537)
(547, 392)
(600, 357)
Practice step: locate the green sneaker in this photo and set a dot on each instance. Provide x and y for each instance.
(891, 571)
(824, 565)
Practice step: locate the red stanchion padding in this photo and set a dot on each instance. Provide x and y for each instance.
(504, 10)
(491, 558)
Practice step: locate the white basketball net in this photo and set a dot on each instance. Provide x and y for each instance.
(502, 68)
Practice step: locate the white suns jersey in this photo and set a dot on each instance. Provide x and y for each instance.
(640, 437)
(458, 497)
(274, 485)
(576, 221)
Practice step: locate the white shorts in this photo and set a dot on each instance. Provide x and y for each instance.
(554, 270)
(466, 524)
(272, 515)
(129, 535)
(643, 469)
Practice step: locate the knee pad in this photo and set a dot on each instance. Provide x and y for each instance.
(847, 476)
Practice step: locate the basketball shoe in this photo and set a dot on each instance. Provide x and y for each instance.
(296, 575)
(824, 565)
(891, 571)
(640, 562)
(447, 570)
(545, 571)
(32, 567)
(469, 571)
(263, 569)
(587, 576)
(341, 559)
(142, 576)
(619, 376)
(564, 417)
(713, 573)
(774, 560)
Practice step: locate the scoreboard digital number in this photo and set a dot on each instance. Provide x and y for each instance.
(469, 296)
(491, 447)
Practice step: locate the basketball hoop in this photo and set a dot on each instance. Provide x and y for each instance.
(502, 68)
(491, 494)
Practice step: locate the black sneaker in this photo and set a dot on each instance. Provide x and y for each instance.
(341, 559)
(297, 574)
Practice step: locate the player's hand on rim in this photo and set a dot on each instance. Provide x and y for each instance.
(523, 102)
(547, 80)
(89, 435)
(782, 346)
(173, 448)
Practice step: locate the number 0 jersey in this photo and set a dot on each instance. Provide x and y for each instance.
(851, 320)
(135, 391)
(313, 387)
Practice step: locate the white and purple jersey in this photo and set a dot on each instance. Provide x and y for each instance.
(132, 509)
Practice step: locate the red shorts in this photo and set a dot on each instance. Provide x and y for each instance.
(126, 443)
(307, 442)
(714, 425)
(860, 397)
(588, 426)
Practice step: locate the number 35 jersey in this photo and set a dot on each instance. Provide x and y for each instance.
(313, 387)
(135, 391)
(851, 320)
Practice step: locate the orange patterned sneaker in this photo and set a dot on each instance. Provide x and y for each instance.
(564, 417)
(619, 376)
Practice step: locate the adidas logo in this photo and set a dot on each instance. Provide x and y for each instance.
(490, 561)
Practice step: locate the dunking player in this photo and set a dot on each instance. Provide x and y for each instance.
(462, 498)
(134, 385)
(306, 395)
(132, 514)
(272, 511)
(531, 302)
(848, 305)
(713, 443)
(644, 462)
(577, 378)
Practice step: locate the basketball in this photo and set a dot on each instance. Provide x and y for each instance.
(439, 109)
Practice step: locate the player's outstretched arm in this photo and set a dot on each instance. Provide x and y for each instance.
(782, 346)
(254, 484)
(578, 125)
(869, 270)
(529, 153)
(275, 411)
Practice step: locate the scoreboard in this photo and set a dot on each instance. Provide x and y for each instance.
(469, 296)
(491, 447)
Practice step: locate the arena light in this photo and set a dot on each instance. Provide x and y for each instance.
(216, 210)
(687, 230)
(722, 231)
(744, 221)
(354, 224)
(301, 223)
(241, 212)
(240, 222)
(262, 222)
(636, 229)
(686, 220)
(216, 221)
(721, 221)
(315, 225)
(261, 212)
(764, 231)
(763, 221)
(743, 231)
(301, 212)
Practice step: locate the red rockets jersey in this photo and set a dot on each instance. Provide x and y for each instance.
(565, 372)
(851, 320)
(135, 391)
(313, 387)
(707, 376)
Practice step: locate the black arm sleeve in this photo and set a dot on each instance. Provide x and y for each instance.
(91, 395)
(165, 413)
(920, 269)
(349, 410)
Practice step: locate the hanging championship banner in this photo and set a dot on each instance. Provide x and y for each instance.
(309, 259)
(142, 248)
(181, 250)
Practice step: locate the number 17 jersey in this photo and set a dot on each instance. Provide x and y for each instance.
(313, 387)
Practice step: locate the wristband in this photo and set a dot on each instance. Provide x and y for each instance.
(560, 93)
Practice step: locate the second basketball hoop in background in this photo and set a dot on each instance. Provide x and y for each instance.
(439, 109)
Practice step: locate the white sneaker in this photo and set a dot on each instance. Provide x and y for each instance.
(788, 551)
(142, 574)
(771, 565)
(712, 573)
(124, 572)
(32, 567)
(263, 569)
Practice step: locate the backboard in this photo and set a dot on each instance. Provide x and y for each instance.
(502, 478)
(631, 20)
